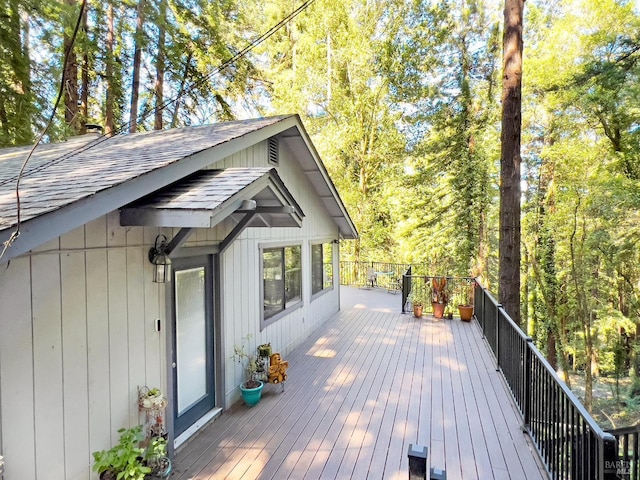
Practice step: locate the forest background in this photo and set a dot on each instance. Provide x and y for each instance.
(402, 100)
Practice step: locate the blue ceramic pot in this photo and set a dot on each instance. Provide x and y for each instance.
(251, 396)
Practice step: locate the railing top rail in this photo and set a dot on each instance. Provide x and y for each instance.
(506, 315)
(593, 425)
(624, 430)
(448, 277)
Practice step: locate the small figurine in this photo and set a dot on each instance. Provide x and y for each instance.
(277, 369)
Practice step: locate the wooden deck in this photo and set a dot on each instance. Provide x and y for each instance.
(365, 386)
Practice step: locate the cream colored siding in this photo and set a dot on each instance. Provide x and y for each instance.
(241, 270)
(78, 326)
(78, 337)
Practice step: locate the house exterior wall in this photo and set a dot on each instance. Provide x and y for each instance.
(77, 338)
(77, 327)
(241, 271)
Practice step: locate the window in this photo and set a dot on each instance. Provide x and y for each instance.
(282, 278)
(321, 267)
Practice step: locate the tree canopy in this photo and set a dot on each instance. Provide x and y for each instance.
(402, 100)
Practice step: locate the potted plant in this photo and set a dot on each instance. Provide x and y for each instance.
(466, 307)
(125, 460)
(251, 387)
(151, 398)
(156, 458)
(448, 312)
(439, 296)
(416, 297)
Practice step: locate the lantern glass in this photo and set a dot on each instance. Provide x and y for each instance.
(161, 265)
(161, 273)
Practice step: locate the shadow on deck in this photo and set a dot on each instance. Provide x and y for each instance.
(362, 388)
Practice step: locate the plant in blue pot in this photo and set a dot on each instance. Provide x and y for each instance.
(251, 387)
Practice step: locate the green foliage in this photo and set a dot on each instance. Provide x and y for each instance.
(401, 100)
(418, 294)
(126, 458)
(248, 363)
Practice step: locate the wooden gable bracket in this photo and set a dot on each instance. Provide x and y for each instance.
(248, 216)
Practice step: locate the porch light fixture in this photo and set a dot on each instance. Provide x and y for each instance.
(160, 260)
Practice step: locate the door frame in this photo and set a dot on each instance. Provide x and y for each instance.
(213, 263)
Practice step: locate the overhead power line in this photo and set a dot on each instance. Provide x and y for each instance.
(125, 127)
(67, 54)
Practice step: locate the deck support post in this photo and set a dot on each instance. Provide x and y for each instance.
(417, 462)
(610, 465)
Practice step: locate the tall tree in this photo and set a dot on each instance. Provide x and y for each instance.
(17, 100)
(158, 88)
(84, 91)
(70, 73)
(137, 59)
(510, 177)
(112, 89)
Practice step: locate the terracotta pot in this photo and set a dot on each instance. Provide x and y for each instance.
(417, 311)
(466, 312)
(438, 309)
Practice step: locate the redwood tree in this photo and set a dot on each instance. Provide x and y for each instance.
(70, 73)
(509, 243)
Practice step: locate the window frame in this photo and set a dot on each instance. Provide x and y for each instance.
(298, 300)
(326, 287)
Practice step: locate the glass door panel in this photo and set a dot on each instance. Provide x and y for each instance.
(193, 339)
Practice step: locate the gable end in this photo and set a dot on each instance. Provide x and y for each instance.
(274, 151)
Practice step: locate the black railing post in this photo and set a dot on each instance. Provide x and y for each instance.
(609, 463)
(406, 287)
(417, 462)
(484, 320)
(498, 307)
(526, 401)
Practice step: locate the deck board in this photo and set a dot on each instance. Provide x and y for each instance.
(361, 389)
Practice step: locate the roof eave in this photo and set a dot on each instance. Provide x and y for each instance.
(53, 224)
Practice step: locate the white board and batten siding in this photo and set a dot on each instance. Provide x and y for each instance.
(78, 338)
(241, 270)
(77, 317)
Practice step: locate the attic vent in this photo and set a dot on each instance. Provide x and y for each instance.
(273, 151)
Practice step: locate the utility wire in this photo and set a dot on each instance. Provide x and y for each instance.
(67, 54)
(125, 126)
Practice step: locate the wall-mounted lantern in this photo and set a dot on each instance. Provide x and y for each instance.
(160, 260)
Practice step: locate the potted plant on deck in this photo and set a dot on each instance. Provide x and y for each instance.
(466, 307)
(417, 296)
(439, 296)
(129, 460)
(251, 387)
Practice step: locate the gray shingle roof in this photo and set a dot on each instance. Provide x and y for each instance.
(207, 190)
(60, 174)
(68, 184)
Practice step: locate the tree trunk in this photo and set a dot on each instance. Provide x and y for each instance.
(183, 81)
(137, 56)
(24, 133)
(84, 93)
(159, 85)
(109, 124)
(70, 73)
(509, 242)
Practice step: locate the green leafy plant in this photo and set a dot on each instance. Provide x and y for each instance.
(126, 459)
(417, 293)
(248, 363)
(156, 455)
